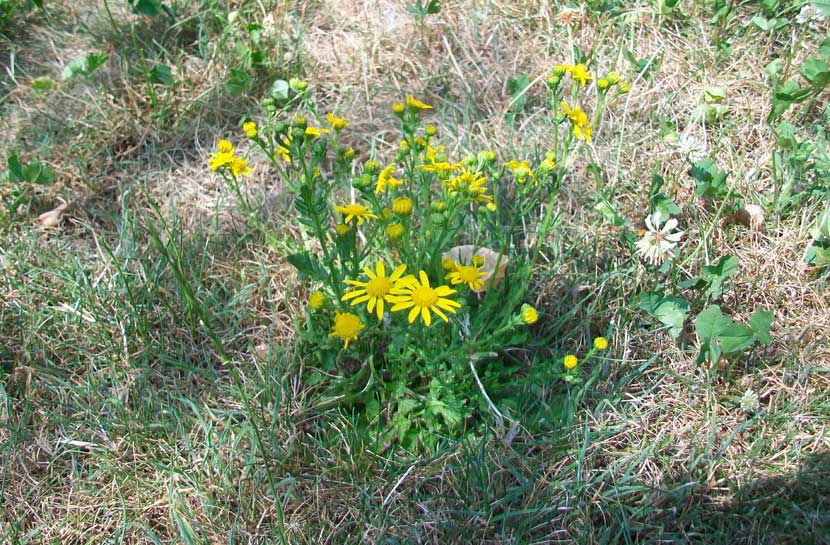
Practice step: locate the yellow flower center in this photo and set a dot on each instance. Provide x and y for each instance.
(424, 296)
(378, 287)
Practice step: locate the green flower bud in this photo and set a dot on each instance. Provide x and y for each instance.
(298, 85)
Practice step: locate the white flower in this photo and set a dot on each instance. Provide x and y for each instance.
(809, 15)
(658, 242)
(749, 401)
(269, 25)
(690, 147)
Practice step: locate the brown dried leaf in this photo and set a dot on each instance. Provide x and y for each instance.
(52, 218)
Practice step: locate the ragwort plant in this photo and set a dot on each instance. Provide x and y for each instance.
(421, 265)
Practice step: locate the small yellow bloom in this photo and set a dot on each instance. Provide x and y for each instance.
(491, 206)
(337, 123)
(402, 206)
(348, 154)
(603, 84)
(613, 78)
(440, 168)
(355, 211)
(470, 185)
(316, 300)
(222, 157)
(430, 130)
(529, 314)
(438, 206)
(283, 152)
(314, 132)
(250, 129)
(466, 274)
(624, 87)
(239, 167)
(398, 108)
(394, 230)
(342, 229)
(579, 120)
(346, 326)
(416, 104)
(580, 73)
(522, 172)
(600, 343)
(570, 361)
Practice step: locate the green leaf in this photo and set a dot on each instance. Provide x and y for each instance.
(94, 61)
(670, 311)
(84, 65)
(716, 274)
(279, 90)
(760, 322)
(147, 7)
(816, 72)
(823, 6)
(238, 83)
(15, 168)
(711, 182)
(302, 262)
(709, 324)
(75, 66)
(160, 73)
(735, 337)
(517, 86)
(38, 173)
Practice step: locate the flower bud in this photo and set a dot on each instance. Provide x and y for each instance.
(299, 122)
(298, 85)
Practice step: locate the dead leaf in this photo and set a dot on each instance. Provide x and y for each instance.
(52, 218)
(751, 215)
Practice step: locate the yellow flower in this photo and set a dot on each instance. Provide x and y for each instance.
(239, 166)
(466, 274)
(346, 326)
(624, 87)
(224, 147)
(376, 290)
(529, 314)
(342, 229)
(416, 104)
(548, 165)
(579, 120)
(430, 130)
(600, 343)
(250, 129)
(402, 206)
(337, 123)
(580, 73)
(448, 264)
(420, 299)
(613, 78)
(387, 178)
(394, 230)
(603, 84)
(398, 108)
(314, 132)
(316, 300)
(470, 185)
(355, 211)
(222, 157)
(438, 206)
(570, 361)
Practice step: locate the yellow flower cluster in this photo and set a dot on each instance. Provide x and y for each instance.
(402, 292)
(225, 158)
(579, 120)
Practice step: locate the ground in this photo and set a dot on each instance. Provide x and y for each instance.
(122, 422)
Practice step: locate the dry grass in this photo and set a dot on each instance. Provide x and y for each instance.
(120, 425)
